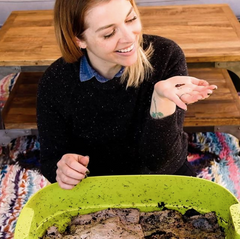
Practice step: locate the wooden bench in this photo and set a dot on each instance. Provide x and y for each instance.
(19, 112)
(220, 112)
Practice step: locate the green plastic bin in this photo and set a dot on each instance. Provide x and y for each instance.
(55, 206)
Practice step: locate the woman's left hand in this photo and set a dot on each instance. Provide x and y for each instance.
(184, 90)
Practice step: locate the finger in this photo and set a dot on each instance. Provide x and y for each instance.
(69, 179)
(193, 96)
(199, 82)
(73, 174)
(203, 90)
(178, 102)
(77, 165)
(64, 185)
(84, 160)
(204, 94)
(213, 87)
(197, 88)
(207, 93)
(189, 99)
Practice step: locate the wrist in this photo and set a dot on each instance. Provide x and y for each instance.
(161, 106)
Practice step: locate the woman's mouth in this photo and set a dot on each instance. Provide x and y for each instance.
(126, 49)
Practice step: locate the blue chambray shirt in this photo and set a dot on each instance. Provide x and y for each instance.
(87, 72)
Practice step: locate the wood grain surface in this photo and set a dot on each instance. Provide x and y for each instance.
(206, 33)
(221, 108)
(19, 111)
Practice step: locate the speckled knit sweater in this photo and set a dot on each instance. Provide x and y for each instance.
(109, 123)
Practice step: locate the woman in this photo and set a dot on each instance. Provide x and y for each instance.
(115, 102)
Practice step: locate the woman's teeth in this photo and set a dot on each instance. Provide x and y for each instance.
(126, 50)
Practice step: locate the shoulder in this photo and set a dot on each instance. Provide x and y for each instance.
(58, 82)
(167, 58)
(60, 74)
(154, 39)
(161, 45)
(60, 69)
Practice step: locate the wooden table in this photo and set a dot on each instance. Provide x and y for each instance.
(27, 41)
(208, 34)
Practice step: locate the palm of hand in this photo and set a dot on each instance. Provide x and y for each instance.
(184, 90)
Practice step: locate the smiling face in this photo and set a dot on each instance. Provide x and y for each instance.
(111, 36)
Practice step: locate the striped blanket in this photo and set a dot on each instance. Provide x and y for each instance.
(215, 156)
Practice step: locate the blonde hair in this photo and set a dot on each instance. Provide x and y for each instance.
(69, 23)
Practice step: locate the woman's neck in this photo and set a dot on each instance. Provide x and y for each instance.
(106, 70)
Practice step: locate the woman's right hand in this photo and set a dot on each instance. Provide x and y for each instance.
(72, 169)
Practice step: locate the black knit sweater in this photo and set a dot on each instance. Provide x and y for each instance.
(109, 123)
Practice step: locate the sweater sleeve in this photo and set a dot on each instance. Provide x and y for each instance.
(52, 121)
(163, 145)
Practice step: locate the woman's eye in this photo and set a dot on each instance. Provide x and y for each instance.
(132, 19)
(109, 35)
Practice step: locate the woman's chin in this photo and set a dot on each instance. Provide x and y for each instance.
(129, 62)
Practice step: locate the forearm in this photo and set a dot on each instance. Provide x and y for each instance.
(54, 140)
(163, 146)
(161, 106)
(53, 146)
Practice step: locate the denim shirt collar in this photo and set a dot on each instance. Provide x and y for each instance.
(87, 72)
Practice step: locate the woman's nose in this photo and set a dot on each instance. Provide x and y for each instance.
(127, 34)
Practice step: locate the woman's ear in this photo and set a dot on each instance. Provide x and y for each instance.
(81, 43)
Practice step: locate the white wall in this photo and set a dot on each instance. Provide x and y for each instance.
(234, 4)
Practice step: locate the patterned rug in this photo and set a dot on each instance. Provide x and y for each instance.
(215, 156)
(6, 85)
